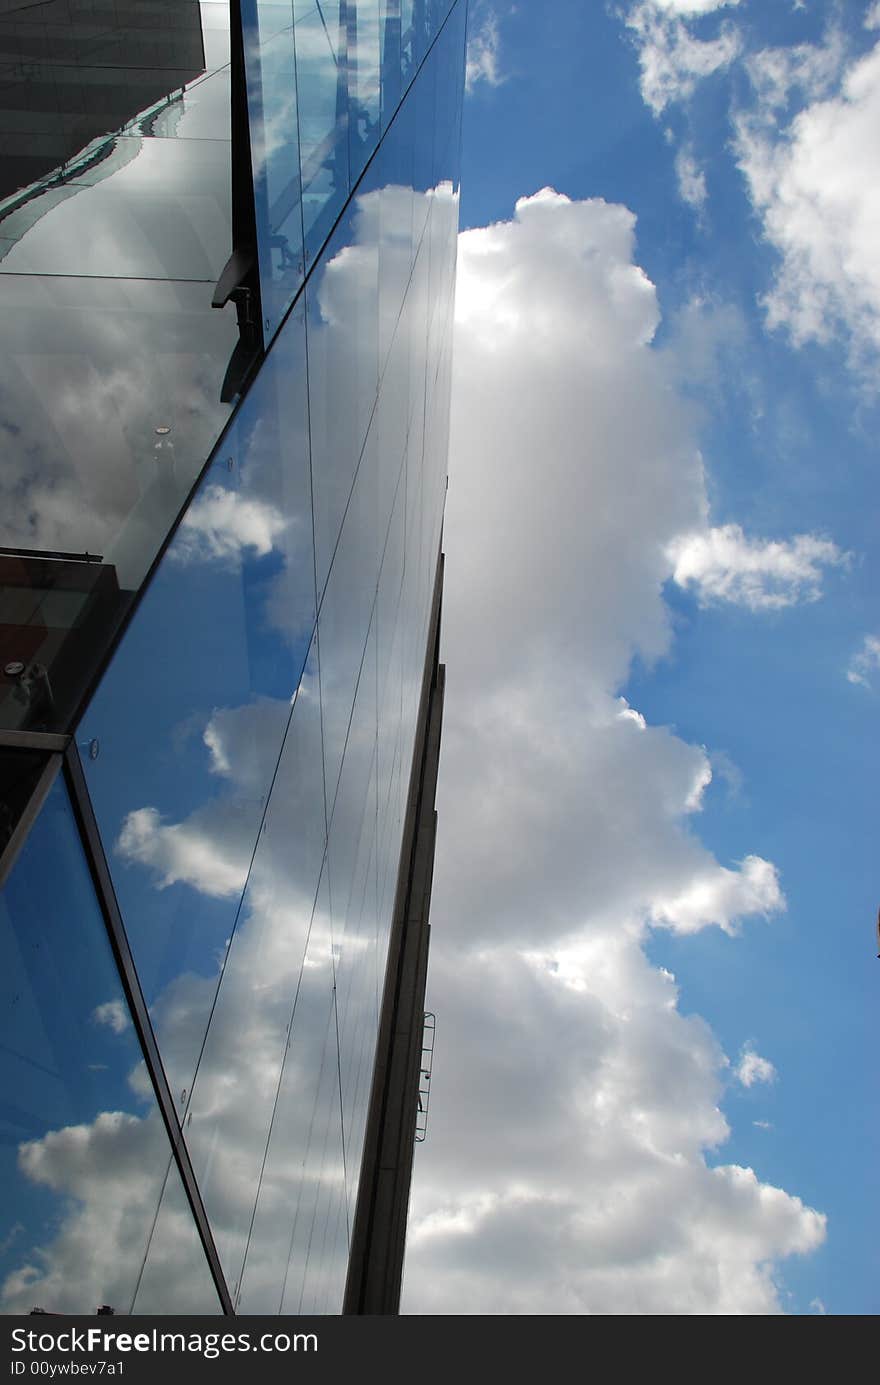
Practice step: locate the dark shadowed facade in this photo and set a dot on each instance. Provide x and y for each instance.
(227, 263)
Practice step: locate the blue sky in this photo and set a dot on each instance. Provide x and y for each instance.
(742, 137)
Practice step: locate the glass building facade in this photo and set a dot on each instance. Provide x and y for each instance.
(227, 261)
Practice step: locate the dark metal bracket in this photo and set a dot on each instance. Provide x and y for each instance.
(239, 281)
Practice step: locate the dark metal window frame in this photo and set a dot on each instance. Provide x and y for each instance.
(38, 797)
(101, 879)
(63, 757)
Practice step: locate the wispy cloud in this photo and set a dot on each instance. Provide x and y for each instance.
(672, 59)
(866, 662)
(752, 1068)
(483, 62)
(809, 69)
(691, 179)
(576, 840)
(815, 189)
(113, 1015)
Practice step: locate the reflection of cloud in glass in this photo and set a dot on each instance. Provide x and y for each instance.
(211, 849)
(113, 1014)
(110, 335)
(181, 852)
(82, 1172)
(110, 1175)
(101, 365)
(276, 979)
(100, 1166)
(220, 524)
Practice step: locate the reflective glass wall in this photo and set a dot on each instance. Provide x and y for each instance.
(112, 359)
(247, 753)
(89, 1188)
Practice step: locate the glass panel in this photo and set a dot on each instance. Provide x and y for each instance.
(352, 858)
(314, 1279)
(149, 209)
(342, 297)
(420, 37)
(55, 613)
(391, 59)
(297, 1255)
(363, 82)
(111, 391)
(74, 72)
(191, 716)
(389, 639)
(409, 56)
(111, 401)
(215, 32)
(327, 1250)
(344, 621)
(392, 410)
(176, 1278)
(396, 239)
(322, 98)
(230, 1113)
(84, 1151)
(417, 324)
(269, 58)
(421, 133)
(20, 772)
(288, 1179)
(200, 111)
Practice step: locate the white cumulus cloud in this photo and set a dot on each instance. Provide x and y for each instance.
(723, 564)
(722, 897)
(865, 662)
(573, 1104)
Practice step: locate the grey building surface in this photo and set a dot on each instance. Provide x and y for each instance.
(227, 263)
